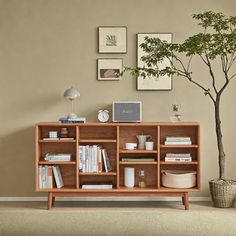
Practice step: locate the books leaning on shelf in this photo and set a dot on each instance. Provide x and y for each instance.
(57, 157)
(46, 174)
(93, 159)
(138, 159)
(97, 186)
(178, 157)
(178, 141)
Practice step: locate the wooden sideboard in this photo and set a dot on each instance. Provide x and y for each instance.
(112, 137)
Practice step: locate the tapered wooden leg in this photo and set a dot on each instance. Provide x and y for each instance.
(49, 200)
(186, 202)
(183, 200)
(53, 201)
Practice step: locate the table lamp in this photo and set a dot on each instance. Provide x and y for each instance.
(71, 94)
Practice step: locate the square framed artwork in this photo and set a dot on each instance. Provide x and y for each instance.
(109, 69)
(112, 39)
(153, 83)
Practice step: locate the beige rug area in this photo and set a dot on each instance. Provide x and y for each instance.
(116, 218)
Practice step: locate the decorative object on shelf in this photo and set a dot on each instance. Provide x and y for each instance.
(142, 139)
(129, 177)
(130, 146)
(154, 82)
(179, 178)
(141, 179)
(109, 69)
(64, 132)
(112, 39)
(103, 115)
(216, 45)
(71, 94)
(149, 145)
(176, 117)
(127, 111)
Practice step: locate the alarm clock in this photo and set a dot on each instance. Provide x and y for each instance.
(103, 115)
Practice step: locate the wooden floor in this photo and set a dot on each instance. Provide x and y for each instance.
(116, 218)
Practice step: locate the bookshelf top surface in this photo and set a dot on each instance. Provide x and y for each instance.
(119, 124)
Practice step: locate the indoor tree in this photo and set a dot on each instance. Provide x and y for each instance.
(216, 43)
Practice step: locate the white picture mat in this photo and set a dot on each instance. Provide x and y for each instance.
(110, 64)
(119, 32)
(152, 83)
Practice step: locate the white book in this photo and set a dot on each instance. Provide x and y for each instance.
(40, 177)
(83, 159)
(178, 139)
(43, 177)
(80, 158)
(95, 153)
(178, 155)
(59, 183)
(178, 143)
(104, 159)
(178, 159)
(97, 186)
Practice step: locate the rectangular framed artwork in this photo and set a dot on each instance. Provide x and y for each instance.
(112, 39)
(153, 83)
(109, 69)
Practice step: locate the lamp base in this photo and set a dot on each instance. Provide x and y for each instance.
(72, 116)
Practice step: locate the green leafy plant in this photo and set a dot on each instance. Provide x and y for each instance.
(217, 41)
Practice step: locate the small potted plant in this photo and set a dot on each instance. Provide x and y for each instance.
(216, 43)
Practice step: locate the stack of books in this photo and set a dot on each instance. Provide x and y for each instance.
(74, 120)
(106, 185)
(93, 159)
(178, 141)
(178, 157)
(137, 159)
(46, 174)
(57, 157)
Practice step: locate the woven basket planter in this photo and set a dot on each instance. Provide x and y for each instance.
(223, 193)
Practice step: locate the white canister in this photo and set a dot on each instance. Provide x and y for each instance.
(129, 177)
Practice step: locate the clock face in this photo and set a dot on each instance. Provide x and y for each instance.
(103, 116)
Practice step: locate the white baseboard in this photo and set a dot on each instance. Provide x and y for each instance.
(99, 199)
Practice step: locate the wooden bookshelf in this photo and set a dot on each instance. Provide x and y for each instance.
(112, 137)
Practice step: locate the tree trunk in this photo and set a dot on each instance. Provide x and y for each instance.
(219, 139)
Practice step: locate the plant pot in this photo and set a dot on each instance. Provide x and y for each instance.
(223, 192)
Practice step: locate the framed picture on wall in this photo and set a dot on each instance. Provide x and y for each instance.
(109, 69)
(112, 39)
(153, 83)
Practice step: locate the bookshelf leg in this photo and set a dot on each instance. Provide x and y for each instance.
(49, 201)
(186, 202)
(53, 201)
(183, 200)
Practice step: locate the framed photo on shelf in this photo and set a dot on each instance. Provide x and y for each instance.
(153, 83)
(109, 69)
(112, 39)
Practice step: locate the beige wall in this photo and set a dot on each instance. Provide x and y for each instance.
(48, 45)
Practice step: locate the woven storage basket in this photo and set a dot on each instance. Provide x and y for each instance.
(223, 193)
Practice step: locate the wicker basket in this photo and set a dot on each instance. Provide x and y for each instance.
(223, 193)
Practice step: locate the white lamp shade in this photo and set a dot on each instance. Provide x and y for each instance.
(71, 93)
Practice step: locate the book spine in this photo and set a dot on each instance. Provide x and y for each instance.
(178, 159)
(104, 160)
(178, 143)
(40, 177)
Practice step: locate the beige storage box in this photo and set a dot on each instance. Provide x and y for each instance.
(178, 178)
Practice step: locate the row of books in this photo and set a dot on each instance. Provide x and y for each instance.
(46, 174)
(178, 141)
(93, 158)
(57, 157)
(178, 157)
